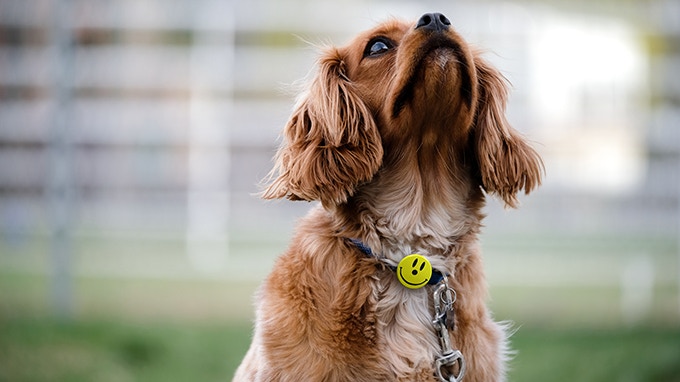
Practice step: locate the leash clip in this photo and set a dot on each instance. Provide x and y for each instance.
(444, 297)
(447, 361)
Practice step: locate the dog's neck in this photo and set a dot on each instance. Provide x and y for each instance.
(412, 205)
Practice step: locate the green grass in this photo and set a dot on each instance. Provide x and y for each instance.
(44, 350)
(625, 355)
(197, 329)
(47, 350)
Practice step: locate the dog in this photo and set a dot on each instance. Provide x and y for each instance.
(400, 136)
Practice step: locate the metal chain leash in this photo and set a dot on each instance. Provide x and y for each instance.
(444, 297)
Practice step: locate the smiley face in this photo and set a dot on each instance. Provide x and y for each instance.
(414, 271)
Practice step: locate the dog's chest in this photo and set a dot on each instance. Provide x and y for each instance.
(406, 334)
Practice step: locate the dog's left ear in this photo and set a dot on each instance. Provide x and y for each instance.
(331, 142)
(506, 162)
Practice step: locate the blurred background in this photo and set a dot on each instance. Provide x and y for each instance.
(134, 134)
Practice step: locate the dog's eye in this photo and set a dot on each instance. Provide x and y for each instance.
(377, 46)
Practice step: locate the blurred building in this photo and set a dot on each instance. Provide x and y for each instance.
(153, 121)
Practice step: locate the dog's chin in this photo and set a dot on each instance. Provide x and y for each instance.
(432, 100)
(439, 59)
(435, 82)
(437, 75)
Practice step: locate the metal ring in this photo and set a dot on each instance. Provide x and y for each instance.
(455, 295)
(453, 299)
(449, 360)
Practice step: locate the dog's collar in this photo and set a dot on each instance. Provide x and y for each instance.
(443, 298)
(435, 279)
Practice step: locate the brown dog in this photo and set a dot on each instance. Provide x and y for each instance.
(399, 136)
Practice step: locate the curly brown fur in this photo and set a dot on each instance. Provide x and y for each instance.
(399, 147)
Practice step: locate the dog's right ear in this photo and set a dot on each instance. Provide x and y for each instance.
(331, 142)
(507, 163)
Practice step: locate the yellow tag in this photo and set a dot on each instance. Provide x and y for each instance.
(414, 271)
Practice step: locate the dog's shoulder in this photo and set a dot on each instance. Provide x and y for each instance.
(320, 295)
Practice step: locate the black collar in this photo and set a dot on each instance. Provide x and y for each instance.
(436, 278)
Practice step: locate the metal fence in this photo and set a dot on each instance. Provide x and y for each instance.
(148, 124)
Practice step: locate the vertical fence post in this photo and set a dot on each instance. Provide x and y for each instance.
(637, 289)
(60, 187)
(210, 113)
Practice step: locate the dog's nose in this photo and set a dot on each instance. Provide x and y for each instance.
(433, 22)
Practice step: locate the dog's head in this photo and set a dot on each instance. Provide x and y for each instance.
(398, 89)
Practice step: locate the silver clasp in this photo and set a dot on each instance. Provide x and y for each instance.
(444, 297)
(448, 361)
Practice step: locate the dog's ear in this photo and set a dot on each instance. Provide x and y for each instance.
(331, 143)
(506, 162)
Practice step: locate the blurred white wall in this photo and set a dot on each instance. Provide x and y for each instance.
(171, 113)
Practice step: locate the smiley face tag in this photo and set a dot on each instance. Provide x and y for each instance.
(414, 271)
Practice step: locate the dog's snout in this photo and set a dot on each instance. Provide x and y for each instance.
(433, 22)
